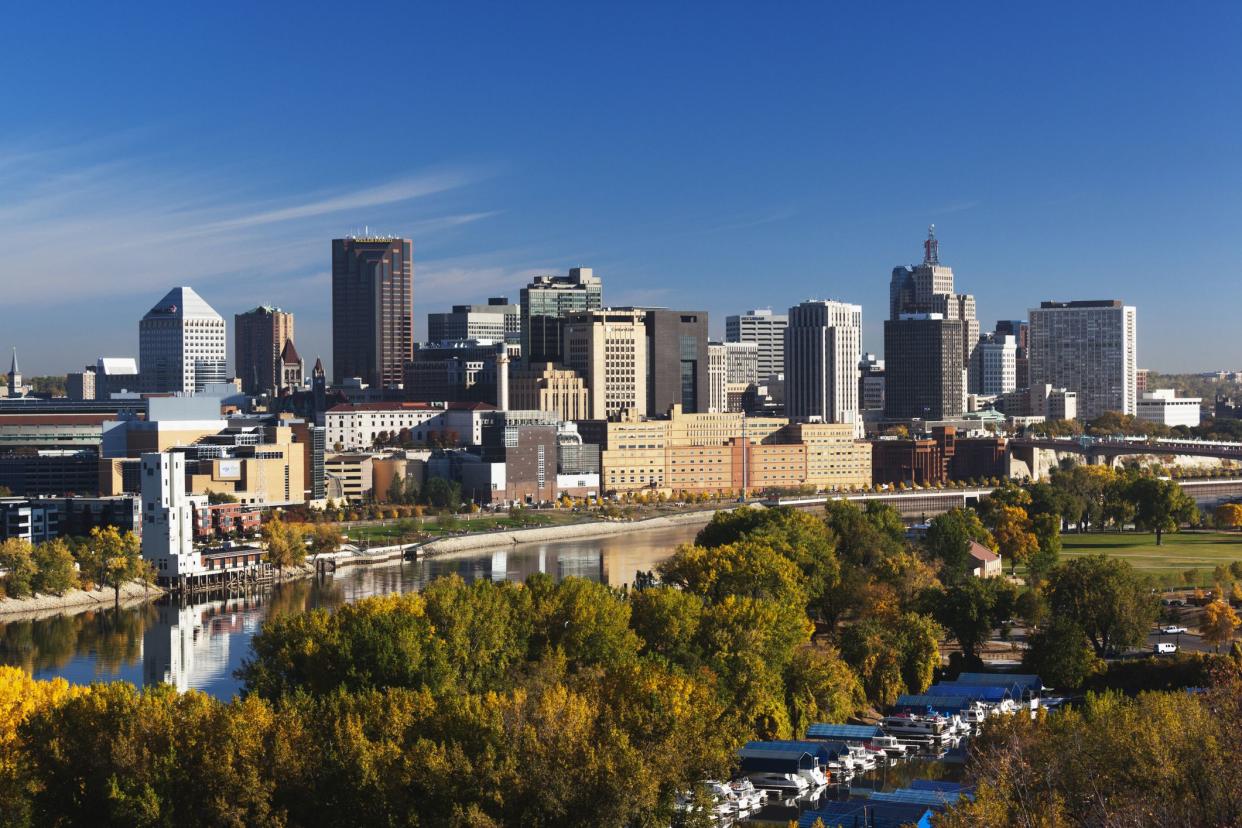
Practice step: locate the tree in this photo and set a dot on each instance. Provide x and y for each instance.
(396, 489)
(1061, 655)
(1161, 506)
(1047, 529)
(1107, 598)
(117, 557)
(1219, 623)
(748, 568)
(948, 541)
(16, 557)
(285, 543)
(220, 497)
(442, 494)
(820, 687)
(971, 609)
(325, 538)
(1228, 515)
(1013, 533)
(55, 572)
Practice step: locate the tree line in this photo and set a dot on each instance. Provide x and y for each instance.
(107, 558)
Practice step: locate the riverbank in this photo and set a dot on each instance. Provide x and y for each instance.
(547, 534)
(74, 601)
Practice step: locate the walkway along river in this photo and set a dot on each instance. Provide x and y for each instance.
(200, 645)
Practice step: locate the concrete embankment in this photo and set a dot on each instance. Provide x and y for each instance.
(546, 534)
(74, 601)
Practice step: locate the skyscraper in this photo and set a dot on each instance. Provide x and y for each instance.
(823, 343)
(676, 361)
(922, 367)
(765, 329)
(1020, 330)
(1088, 347)
(497, 320)
(181, 344)
(259, 337)
(927, 288)
(372, 309)
(546, 301)
(996, 359)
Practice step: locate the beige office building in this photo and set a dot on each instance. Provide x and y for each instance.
(608, 349)
(544, 386)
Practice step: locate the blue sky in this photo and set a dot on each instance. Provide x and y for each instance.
(706, 155)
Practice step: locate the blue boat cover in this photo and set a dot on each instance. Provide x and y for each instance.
(844, 732)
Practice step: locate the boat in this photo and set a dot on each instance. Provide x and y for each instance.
(787, 784)
(749, 797)
(907, 725)
(889, 745)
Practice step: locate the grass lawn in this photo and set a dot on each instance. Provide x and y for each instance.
(1179, 551)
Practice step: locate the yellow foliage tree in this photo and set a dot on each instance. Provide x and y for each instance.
(1229, 514)
(1219, 623)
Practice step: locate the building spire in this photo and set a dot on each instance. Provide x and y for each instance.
(931, 251)
(13, 369)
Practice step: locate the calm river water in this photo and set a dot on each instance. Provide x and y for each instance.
(200, 646)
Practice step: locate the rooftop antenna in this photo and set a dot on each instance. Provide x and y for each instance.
(931, 251)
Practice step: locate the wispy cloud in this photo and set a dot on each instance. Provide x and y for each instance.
(959, 206)
(75, 227)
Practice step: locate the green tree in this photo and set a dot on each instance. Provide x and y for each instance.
(820, 687)
(54, 565)
(484, 627)
(948, 541)
(1113, 604)
(1047, 529)
(1161, 506)
(442, 494)
(971, 609)
(1061, 655)
(750, 567)
(860, 541)
(17, 559)
(586, 621)
(667, 620)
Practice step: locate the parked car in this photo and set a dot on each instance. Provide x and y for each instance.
(1165, 648)
(1172, 629)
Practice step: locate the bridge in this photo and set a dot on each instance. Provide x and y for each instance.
(1097, 449)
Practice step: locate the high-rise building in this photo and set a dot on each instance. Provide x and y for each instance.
(996, 358)
(923, 371)
(608, 349)
(497, 320)
(927, 288)
(168, 533)
(259, 337)
(181, 344)
(823, 343)
(545, 303)
(717, 388)
(676, 360)
(765, 329)
(742, 363)
(871, 383)
(1088, 347)
(372, 309)
(80, 385)
(1020, 330)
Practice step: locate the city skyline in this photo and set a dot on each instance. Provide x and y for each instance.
(163, 156)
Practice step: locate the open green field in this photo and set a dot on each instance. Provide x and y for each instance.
(1179, 552)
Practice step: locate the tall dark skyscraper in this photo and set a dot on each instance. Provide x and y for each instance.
(259, 337)
(922, 367)
(676, 361)
(372, 309)
(546, 301)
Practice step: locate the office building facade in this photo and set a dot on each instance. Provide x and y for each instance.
(1090, 348)
(923, 371)
(181, 344)
(498, 320)
(766, 330)
(372, 309)
(545, 303)
(823, 343)
(997, 358)
(608, 349)
(676, 360)
(259, 337)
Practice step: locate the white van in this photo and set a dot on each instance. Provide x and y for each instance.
(1165, 647)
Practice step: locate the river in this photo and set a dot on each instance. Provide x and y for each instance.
(200, 646)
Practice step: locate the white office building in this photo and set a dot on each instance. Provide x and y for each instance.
(168, 517)
(1089, 348)
(717, 390)
(608, 349)
(181, 344)
(1165, 407)
(823, 343)
(765, 329)
(997, 364)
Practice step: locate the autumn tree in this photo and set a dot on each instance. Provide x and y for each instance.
(1013, 533)
(54, 568)
(285, 543)
(1219, 623)
(17, 559)
(1228, 515)
(114, 557)
(948, 541)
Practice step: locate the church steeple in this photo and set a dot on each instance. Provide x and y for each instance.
(15, 375)
(931, 247)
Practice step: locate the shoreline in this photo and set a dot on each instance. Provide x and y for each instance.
(75, 601)
(547, 534)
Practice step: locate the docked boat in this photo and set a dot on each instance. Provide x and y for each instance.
(907, 725)
(785, 784)
(748, 796)
(889, 746)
